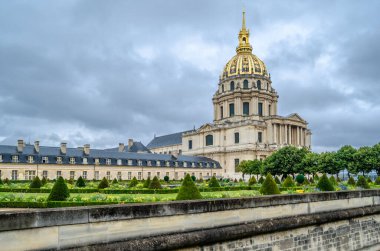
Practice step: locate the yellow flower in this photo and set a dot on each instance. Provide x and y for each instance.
(300, 191)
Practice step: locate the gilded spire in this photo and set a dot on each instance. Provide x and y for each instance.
(244, 46)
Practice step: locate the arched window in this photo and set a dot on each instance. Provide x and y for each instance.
(246, 108)
(245, 84)
(209, 140)
(232, 86)
(222, 88)
(259, 84)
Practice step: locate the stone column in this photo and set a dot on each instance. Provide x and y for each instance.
(298, 136)
(275, 133)
(280, 141)
(290, 135)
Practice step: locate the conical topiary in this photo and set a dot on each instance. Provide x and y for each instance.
(1, 182)
(324, 184)
(362, 182)
(6, 181)
(369, 180)
(351, 181)
(147, 182)
(269, 186)
(80, 182)
(103, 183)
(60, 191)
(36, 183)
(133, 182)
(252, 181)
(155, 184)
(377, 181)
(213, 182)
(333, 180)
(43, 181)
(288, 182)
(277, 180)
(188, 190)
(261, 180)
(115, 181)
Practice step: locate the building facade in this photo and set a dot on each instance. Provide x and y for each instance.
(25, 161)
(246, 124)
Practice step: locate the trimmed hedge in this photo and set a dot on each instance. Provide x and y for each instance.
(52, 204)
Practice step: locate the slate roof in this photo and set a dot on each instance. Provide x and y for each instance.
(136, 147)
(167, 140)
(52, 153)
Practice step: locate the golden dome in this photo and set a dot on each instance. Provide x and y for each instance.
(244, 62)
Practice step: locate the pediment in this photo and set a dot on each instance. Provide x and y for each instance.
(205, 127)
(295, 116)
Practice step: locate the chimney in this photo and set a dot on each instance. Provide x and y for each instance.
(37, 146)
(20, 145)
(121, 147)
(130, 143)
(86, 149)
(63, 148)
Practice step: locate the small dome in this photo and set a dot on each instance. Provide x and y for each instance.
(244, 63)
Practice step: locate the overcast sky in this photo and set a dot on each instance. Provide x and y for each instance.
(101, 72)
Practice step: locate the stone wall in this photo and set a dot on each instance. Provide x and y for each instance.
(162, 226)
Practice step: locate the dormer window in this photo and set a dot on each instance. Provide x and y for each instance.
(30, 159)
(108, 161)
(149, 163)
(15, 159)
(1, 158)
(119, 162)
(59, 160)
(158, 163)
(139, 162)
(85, 162)
(193, 164)
(72, 160)
(45, 160)
(176, 164)
(184, 164)
(97, 162)
(167, 163)
(130, 162)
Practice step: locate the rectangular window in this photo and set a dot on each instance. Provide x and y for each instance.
(15, 159)
(149, 163)
(237, 138)
(200, 176)
(236, 164)
(207, 174)
(158, 163)
(176, 175)
(129, 175)
(184, 164)
(167, 174)
(269, 110)
(260, 137)
(119, 175)
(30, 159)
(85, 161)
(108, 175)
(260, 109)
(59, 174)
(119, 162)
(84, 175)
(59, 160)
(14, 174)
(179, 152)
(72, 175)
(97, 161)
(221, 112)
(45, 174)
(108, 162)
(139, 162)
(45, 160)
(167, 163)
(190, 144)
(148, 174)
(158, 175)
(139, 175)
(246, 108)
(29, 174)
(96, 175)
(1, 158)
(232, 110)
(72, 160)
(130, 163)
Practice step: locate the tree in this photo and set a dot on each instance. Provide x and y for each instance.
(115, 181)
(60, 191)
(324, 184)
(309, 164)
(269, 186)
(243, 167)
(80, 182)
(328, 163)
(376, 158)
(36, 183)
(364, 160)
(213, 182)
(252, 181)
(362, 182)
(345, 158)
(285, 161)
(133, 182)
(155, 184)
(351, 181)
(188, 190)
(103, 183)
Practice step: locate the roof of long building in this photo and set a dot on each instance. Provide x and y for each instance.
(167, 140)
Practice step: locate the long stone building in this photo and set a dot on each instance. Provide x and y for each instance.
(246, 123)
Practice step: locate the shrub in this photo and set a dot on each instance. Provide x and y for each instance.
(193, 178)
(269, 186)
(59, 192)
(36, 183)
(333, 180)
(235, 180)
(213, 182)
(306, 182)
(133, 182)
(115, 181)
(351, 181)
(324, 184)
(188, 190)
(300, 178)
(70, 181)
(44, 181)
(377, 181)
(1, 182)
(288, 182)
(166, 178)
(80, 182)
(316, 177)
(369, 180)
(261, 180)
(311, 180)
(252, 181)
(147, 183)
(277, 180)
(103, 183)
(362, 182)
(155, 184)
(338, 179)
(6, 181)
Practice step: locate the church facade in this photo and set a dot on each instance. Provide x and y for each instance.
(246, 123)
